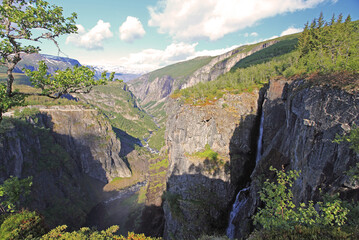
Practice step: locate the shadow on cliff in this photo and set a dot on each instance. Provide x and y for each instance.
(197, 204)
(128, 142)
(243, 146)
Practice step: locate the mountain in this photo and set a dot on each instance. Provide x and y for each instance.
(54, 63)
(121, 73)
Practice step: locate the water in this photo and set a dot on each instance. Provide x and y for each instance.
(237, 206)
(260, 138)
(126, 192)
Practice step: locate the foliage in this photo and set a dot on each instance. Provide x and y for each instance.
(329, 46)
(76, 80)
(267, 54)
(208, 153)
(7, 102)
(22, 225)
(281, 212)
(88, 234)
(11, 192)
(300, 232)
(353, 139)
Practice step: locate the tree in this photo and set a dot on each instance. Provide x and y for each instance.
(11, 192)
(24, 21)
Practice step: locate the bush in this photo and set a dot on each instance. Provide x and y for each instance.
(309, 233)
(22, 225)
(281, 212)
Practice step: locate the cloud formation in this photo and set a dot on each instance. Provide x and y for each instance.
(212, 19)
(131, 29)
(151, 59)
(291, 30)
(92, 39)
(253, 34)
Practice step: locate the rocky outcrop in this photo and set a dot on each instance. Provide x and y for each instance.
(200, 190)
(300, 124)
(88, 138)
(70, 151)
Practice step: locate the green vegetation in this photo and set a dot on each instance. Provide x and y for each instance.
(12, 191)
(281, 212)
(180, 70)
(309, 233)
(211, 159)
(284, 46)
(353, 139)
(120, 107)
(22, 225)
(282, 219)
(87, 233)
(157, 140)
(323, 48)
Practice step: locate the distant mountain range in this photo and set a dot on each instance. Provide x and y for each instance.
(54, 63)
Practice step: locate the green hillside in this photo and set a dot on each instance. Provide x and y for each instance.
(180, 70)
(116, 102)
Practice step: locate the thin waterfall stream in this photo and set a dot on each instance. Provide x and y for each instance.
(260, 139)
(241, 198)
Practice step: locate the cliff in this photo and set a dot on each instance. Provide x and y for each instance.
(70, 151)
(200, 188)
(300, 124)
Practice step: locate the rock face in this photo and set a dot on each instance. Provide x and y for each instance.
(70, 152)
(89, 139)
(222, 64)
(200, 190)
(300, 124)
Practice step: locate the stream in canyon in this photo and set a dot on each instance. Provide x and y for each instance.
(121, 209)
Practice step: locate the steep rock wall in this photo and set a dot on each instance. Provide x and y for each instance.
(300, 124)
(221, 64)
(70, 151)
(199, 191)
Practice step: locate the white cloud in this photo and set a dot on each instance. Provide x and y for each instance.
(92, 39)
(212, 19)
(151, 59)
(131, 29)
(253, 34)
(291, 30)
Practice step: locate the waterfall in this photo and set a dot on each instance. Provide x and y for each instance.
(241, 200)
(260, 138)
(238, 204)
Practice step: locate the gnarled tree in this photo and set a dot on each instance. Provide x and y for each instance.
(31, 21)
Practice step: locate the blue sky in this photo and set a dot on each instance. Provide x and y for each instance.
(148, 34)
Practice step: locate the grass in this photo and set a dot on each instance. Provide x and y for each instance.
(157, 139)
(180, 70)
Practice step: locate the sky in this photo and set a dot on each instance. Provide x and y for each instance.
(144, 35)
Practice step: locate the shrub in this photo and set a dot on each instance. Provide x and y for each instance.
(22, 225)
(281, 212)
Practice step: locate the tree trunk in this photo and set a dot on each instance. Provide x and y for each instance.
(10, 80)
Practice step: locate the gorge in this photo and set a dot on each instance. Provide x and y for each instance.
(185, 155)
